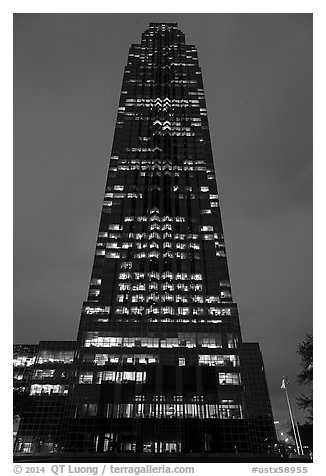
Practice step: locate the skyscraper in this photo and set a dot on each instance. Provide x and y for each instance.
(159, 365)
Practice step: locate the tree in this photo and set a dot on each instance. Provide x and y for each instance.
(305, 376)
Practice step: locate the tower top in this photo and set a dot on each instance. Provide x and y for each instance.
(163, 25)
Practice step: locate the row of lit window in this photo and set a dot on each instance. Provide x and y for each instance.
(140, 298)
(175, 168)
(179, 311)
(23, 361)
(163, 287)
(154, 101)
(157, 234)
(97, 309)
(218, 360)
(158, 55)
(174, 120)
(180, 196)
(165, 244)
(165, 275)
(212, 341)
(149, 63)
(154, 244)
(158, 226)
(176, 236)
(171, 124)
(164, 220)
(172, 133)
(159, 318)
(147, 113)
(111, 376)
(166, 297)
(167, 254)
(157, 218)
(124, 195)
(142, 149)
(138, 161)
(167, 410)
(37, 389)
(103, 359)
(139, 236)
(140, 195)
(211, 360)
(162, 163)
(166, 234)
(224, 378)
(20, 375)
(171, 81)
(152, 254)
(49, 373)
(55, 356)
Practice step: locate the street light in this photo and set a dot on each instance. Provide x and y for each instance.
(296, 433)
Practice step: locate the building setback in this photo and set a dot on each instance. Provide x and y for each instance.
(159, 365)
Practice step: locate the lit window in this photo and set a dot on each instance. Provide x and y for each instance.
(124, 287)
(48, 389)
(137, 310)
(230, 411)
(229, 378)
(115, 227)
(218, 360)
(97, 309)
(196, 287)
(41, 374)
(126, 265)
(94, 292)
(111, 254)
(167, 226)
(183, 311)
(23, 361)
(205, 212)
(210, 341)
(167, 310)
(86, 377)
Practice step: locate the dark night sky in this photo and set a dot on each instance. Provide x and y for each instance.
(257, 71)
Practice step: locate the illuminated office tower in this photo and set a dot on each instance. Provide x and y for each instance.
(159, 365)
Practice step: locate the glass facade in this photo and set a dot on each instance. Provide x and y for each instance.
(159, 365)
